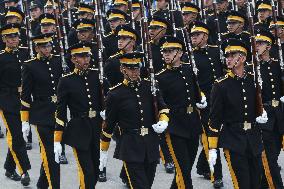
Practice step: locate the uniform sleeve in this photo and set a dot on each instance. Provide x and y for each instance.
(61, 110)
(163, 109)
(111, 120)
(216, 115)
(27, 85)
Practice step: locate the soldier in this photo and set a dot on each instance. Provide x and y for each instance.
(81, 92)
(277, 28)
(115, 18)
(264, 11)
(241, 6)
(182, 136)
(40, 77)
(69, 13)
(7, 4)
(236, 23)
(51, 7)
(209, 68)
(130, 105)
(36, 11)
(11, 60)
(120, 5)
(190, 13)
(233, 119)
(272, 94)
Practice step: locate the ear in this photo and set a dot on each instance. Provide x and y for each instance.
(4, 39)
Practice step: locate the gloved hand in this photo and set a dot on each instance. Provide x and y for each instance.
(103, 159)
(212, 159)
(26, 130)
(263, 118)
(282, 99)
(103, 114)
(160, 126)
(202, 104)
(57, 151)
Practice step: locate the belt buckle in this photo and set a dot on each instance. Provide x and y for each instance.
(189, 109)
(247, 126)
(92, 114)
(54, 98)
(144, 131)
(274, 103)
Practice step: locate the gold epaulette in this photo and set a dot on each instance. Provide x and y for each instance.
(68, 74)
(215, 46)
(160, 72)
(28, 61)
(111, 88)
(116, 54)
(219, 80)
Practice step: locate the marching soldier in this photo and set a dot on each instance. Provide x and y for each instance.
(36, 11)
(40, 77)
(115, 18)
(81, 92)
(190, 13)
(130, 105)
(264, 11)
(11, 60)
(272, 96)
(182, 136)
(209, 66)
(233, 120)
(70, 12)
(278, 28)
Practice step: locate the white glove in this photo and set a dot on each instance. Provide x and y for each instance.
(26, 130)
(103, 159)
(160, 126)
(57, 151)
(103, 114)
(202, 104)
(212, 159)
(282, 99)
(263, 118)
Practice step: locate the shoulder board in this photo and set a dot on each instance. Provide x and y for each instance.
(116, 54)
(185, 63)
(160, 72)
(146, 79)
(22, 47)
(94, 69)
(221, 78)
(28, 61)
(1, 52)
(109, 34)
(65, 75)
(246, 32)
(215, 46)
(111, 88)
(57, 55)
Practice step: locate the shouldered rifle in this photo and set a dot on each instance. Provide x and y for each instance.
(172, 16)
(255, 61)
(28, 26)
(68, 9)
(131, 14)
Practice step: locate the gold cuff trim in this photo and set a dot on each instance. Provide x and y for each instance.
(106, 134)
(27, 105)
(25, 116)
(164, 117)
(166, 111)
(58, 136)
(212, 129)
(213, 141)
(59, 122)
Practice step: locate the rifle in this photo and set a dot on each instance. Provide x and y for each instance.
(68, 9)
(255, 61)
(203, 11)
(63, 26)
(218, 31)
(28, 26)
(172, 16)
(131, 13)
(58, 32)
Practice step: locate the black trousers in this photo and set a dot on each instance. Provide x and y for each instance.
(88, 162)
(164, 150)
(271, 141)
(17, 154)
(140, 175)
(183, 152)
(245, 170)
(50, 170)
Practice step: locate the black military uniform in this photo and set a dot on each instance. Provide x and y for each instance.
(233, 126)
(10, 77)
(274, 51)
(209, 68)
(81, 92)
(184, 128)
(262, 5)
(70, 16)
(110, 40)
(40, 77)
(34, 23)
(130, 105)
(273, 130)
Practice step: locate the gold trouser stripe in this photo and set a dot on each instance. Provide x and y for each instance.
(232, 173)
(10, 143)
(267, 170)
(206, 150)
(44, 159)
(162, 156)
(179, 176)
(125, 167)
(80, 171)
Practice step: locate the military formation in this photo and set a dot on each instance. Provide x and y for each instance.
(157, 77)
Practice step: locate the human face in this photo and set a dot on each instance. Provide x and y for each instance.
(189, 17)
(81, 61)
(235, 60)
(115, 22)
(162, 4)
(130, 73)
(11, 41)
(44, 50)
(262, 47)
(222, 6)
(50, 28)
(263, 14)
(171, 56)
(86, 15)
(125, 42)
(157, 33)
(85, 35)
(235, 27)
(36, 12)
(198, 39)
(13, 20)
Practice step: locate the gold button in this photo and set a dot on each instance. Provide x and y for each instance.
(246, 113)
(272, 86)
(245, 98)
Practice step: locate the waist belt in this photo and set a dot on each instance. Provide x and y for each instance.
(142, 131)
(245, 126)
(11, 89)
(46, 98)
(183, 110)
(273, 103)
(90, 114)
